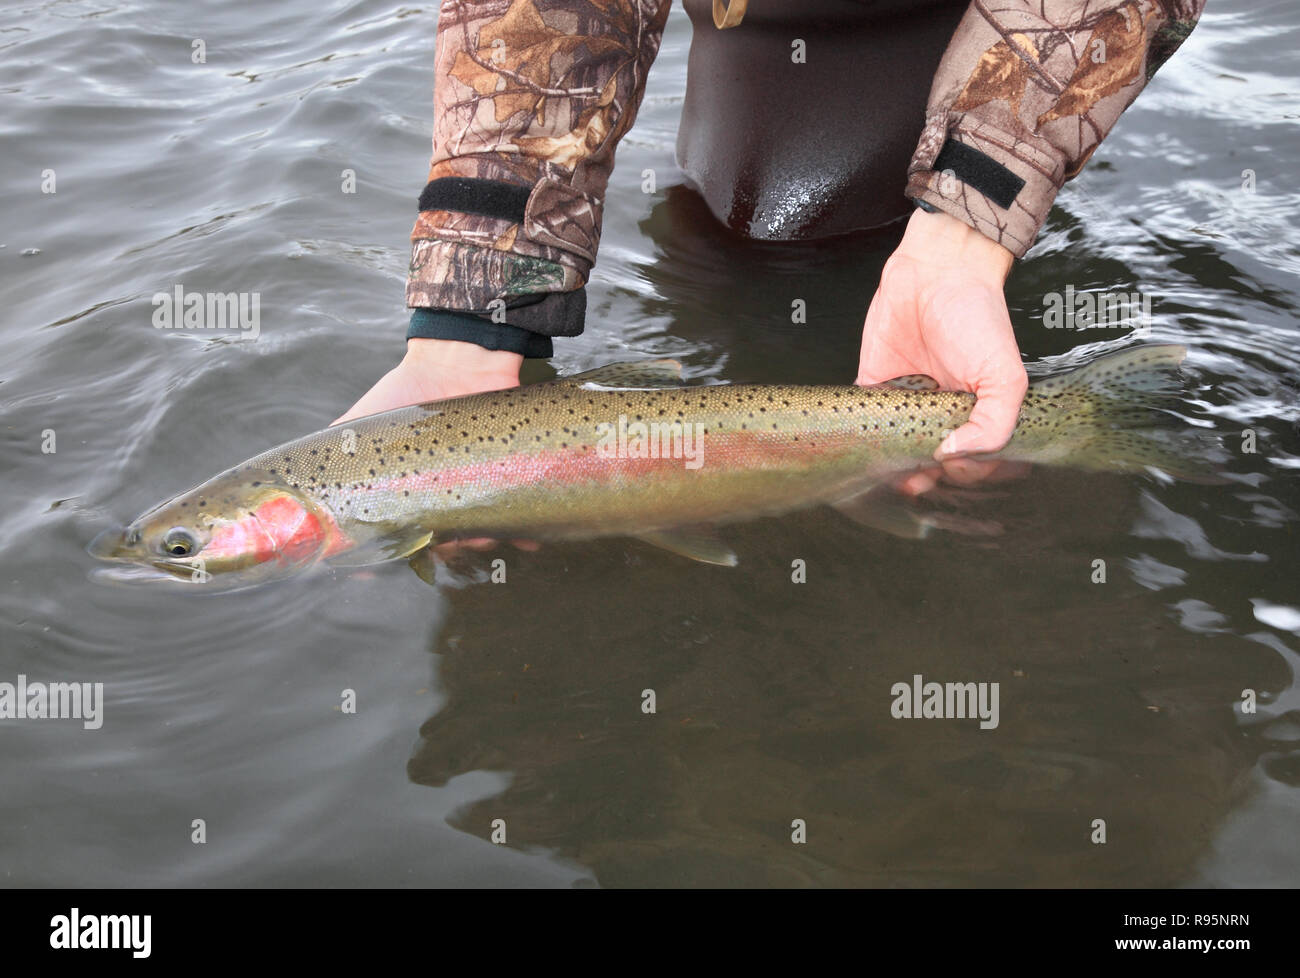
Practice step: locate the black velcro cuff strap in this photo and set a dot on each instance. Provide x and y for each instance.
(978, 171)
(489, 198)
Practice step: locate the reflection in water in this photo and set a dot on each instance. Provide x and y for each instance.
(773, 704)
(773, 698)
(735, 297)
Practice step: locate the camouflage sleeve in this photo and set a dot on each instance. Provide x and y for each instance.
(1024, 94)
(530, 99)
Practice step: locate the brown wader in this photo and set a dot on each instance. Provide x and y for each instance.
(808, 118)
(784, 143)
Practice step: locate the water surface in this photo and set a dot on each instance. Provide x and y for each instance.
(522, 701)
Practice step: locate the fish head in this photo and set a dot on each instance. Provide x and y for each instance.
(241, 528)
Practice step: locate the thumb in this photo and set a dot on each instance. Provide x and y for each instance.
(993, 419)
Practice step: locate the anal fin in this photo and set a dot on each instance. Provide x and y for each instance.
(884, 508)
(694, 542)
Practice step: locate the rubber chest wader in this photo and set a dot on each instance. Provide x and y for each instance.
(800, 117)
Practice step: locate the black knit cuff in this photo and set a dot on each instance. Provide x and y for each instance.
(446, 324)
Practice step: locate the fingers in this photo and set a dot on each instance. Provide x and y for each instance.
(872, 364)
(457, 546)
(919, 482)
(961, 472)
(969, 471)
(378, 398)
(993, 418)
(890, 344)
(453, 547)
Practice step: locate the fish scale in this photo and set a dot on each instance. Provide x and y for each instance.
(435, 458)
(544, 462)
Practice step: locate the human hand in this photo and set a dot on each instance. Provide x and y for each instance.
(436, 369)
(940, 310)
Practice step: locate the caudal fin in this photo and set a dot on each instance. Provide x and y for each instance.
(1110, 415)
(1133, 372)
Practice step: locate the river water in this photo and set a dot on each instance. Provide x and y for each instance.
(519, 705)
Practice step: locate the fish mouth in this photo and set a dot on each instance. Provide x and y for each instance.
(111, 545)
(128, 563)
(134, 574)
(121, 547)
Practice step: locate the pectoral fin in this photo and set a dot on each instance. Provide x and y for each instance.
(694, 542)
(388, 548)
(425, 566)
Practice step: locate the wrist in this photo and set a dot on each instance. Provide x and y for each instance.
(464, 360)
(941, 239)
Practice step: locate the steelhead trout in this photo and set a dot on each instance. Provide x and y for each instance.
(624, 450)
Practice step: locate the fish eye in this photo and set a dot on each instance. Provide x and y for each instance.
(179, 542)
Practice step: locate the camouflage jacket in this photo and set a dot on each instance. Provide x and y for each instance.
(532, 96)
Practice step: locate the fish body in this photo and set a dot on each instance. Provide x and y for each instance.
(624, 450)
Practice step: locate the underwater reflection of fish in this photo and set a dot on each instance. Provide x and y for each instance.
(772, 703)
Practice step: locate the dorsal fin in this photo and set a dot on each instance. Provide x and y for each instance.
(911, 382)
(636, 375)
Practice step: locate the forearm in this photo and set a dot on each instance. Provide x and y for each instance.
(1025, 93)
(529, 106)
